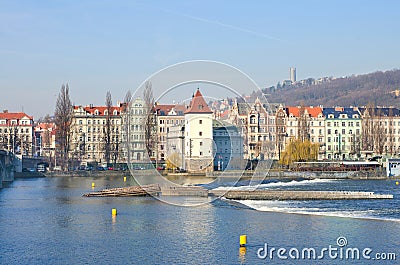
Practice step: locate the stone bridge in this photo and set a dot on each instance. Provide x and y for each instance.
(6, 166)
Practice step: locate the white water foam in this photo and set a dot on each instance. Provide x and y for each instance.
(287, 207)
(279, 184)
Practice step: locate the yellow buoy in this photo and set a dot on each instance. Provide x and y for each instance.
(114, 212)
(397, 183)
(243, 240)
(93, 184)
(124, 179)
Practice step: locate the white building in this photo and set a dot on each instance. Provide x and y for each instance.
(133, 136)
(16, 132)
(198, 135)
(88, 132)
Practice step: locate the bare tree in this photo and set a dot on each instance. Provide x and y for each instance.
(127, 125)
(303, 125)
(108, 129)
(149, 126)
(62, 119)
(379, 133)
(390, 140)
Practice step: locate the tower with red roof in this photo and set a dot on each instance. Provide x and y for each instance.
(198, 135)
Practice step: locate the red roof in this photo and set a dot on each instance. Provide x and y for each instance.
(91, 109)
(164, 109)
(312, 111)
(46, 126)
(14, 115)
(198, 104)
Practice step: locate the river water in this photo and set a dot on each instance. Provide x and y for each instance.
(47, 221)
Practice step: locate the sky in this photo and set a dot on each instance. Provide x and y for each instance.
(109, 45)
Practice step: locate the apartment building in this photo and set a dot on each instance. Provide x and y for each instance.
(16, 132)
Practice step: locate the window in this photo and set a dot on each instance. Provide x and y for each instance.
(343, 124)
(329, 131)
(80, 121)
(343, 131)
(201, 143)
(200, 121)
(200, 133)
(201, 153)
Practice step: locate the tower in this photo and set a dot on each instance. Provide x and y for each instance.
(198, 135)
(293, 74)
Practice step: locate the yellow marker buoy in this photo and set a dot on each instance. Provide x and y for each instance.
(124, 179)
(114, 212)
(93, 184)
(243, 240)
(397, 183)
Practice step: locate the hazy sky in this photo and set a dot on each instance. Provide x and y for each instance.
(98, 45)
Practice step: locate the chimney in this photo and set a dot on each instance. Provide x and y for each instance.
(5, 111)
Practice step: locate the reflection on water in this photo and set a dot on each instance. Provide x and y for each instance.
(47, 221)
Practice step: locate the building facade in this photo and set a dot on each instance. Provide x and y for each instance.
(342, 133)
(45, 140)
(133, 136)
(228, 147)
(198, 135)
(307, 123)
(168, 117)
(16, 133)
(380, 131)
(89, 134)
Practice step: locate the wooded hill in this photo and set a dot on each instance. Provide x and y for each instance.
(379, 88)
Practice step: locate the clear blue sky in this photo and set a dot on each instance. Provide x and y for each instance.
(98, 45)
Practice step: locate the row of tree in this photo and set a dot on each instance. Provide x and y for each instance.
(63, 118)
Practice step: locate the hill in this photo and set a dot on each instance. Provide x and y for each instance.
(379, 88)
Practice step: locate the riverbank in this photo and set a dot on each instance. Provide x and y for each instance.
(234, 174)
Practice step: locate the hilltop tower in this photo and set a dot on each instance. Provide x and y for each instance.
(198, 135)
(293, 74)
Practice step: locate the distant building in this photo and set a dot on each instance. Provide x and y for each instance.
(89, 131)
(133, 137)
(342, 133)
(198, 135)
(168, 116)
(45, 140)
(293, 74)
(16, 132)
(228, 146)
(306, 123)
(175, 146)
(258, 127)
(380, 131)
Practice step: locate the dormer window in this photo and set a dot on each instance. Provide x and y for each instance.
(106, 112)
(200, 107)
(96, 112)
(330, 116)
(115, 112)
